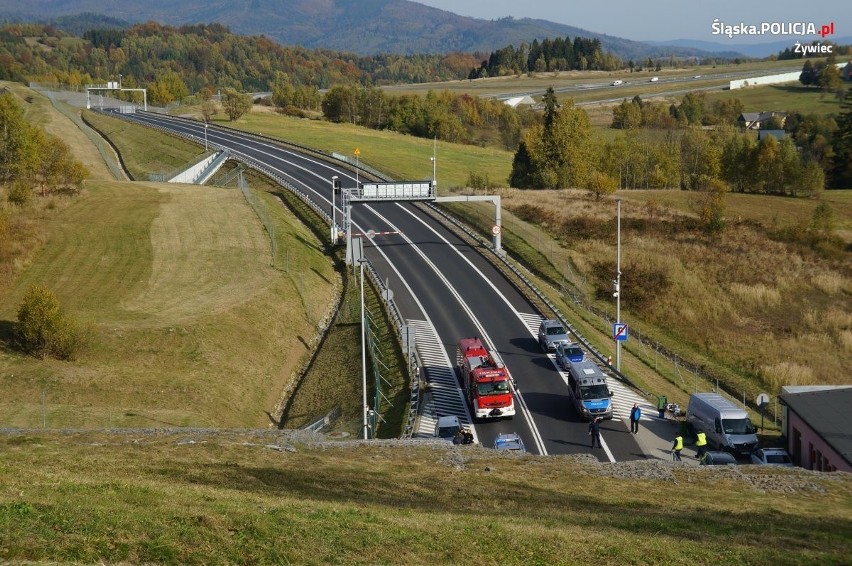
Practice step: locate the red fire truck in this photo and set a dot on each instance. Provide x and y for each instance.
(485, 381)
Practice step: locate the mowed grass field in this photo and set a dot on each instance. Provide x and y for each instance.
(402, 157)
(188, 322)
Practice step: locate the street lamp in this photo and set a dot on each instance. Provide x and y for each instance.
(334, 187)
(357, 155)
(617, 283)
(434, 164)
(205, 136)
(119, 81)
(363, 349)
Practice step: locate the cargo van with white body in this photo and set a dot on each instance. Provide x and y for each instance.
(726, 425)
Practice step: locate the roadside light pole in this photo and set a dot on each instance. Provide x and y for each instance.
(363, 350)
(205, 136)
(357, 165)
(434, 165)
(618, 286)
(334, 181)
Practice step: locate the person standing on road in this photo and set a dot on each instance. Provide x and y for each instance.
(635, 415)
(676, 448)
(595, 432)
(700, 444)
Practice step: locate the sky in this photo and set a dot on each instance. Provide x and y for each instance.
(661, 20)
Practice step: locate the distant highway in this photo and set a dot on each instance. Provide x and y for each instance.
(665, 86)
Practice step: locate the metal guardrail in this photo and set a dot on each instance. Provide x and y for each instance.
(321, 423)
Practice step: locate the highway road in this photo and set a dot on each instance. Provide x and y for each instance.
(446, 290)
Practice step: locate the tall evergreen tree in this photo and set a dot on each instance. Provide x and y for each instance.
(841, 172)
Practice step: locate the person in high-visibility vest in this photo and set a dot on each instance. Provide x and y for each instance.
(700, 444)
(676, 448)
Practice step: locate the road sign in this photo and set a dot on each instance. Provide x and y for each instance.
(762, 399)
(495, 230)
(619, 331)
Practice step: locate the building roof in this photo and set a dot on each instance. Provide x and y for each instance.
(761, 116)
(828, 414)
(518, 100)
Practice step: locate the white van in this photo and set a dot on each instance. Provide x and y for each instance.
(726, 425)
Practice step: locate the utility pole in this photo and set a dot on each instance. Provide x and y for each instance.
(363, 350)
(334, 187)
(617, 292)
(435, 165)
(357, 166)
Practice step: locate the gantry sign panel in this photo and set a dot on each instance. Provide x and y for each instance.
(408, 190)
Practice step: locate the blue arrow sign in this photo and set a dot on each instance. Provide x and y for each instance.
(619, 331)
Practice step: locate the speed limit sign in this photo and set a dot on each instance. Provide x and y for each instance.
(495, 230)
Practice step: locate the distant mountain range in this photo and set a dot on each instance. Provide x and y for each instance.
(364, 27)
(758, 50)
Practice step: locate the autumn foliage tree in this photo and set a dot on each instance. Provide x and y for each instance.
(31, 158)
(558, 148)
(235, 104)
(43, 329)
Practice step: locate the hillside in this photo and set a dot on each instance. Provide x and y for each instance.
(363, 27)
(206, 497)
(164, 277)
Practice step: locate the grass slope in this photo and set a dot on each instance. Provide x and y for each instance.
(205, 497)
(190, 325)
(402, 157)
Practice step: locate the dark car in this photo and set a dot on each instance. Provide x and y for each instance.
(566, 352)
(718, 459)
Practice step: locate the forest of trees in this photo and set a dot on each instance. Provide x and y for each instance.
(550, 55)
(446, 116)
(176, 61)
(561, 152)
(554, 150)
(31, 159)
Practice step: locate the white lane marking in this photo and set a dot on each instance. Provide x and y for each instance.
(521, 402)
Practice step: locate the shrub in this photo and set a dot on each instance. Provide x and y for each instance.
(43, 329)
(641, 284)
(19, 194)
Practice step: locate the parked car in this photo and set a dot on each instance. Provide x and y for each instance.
(510, 441)
(549, 333)
(447, 427)
(566, 352)
(771, 457)
(718, 459)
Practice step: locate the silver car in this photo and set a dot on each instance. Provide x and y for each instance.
(549, 333)
(771, 457)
